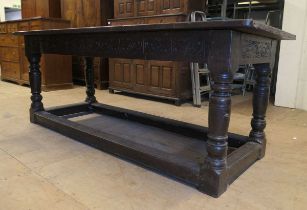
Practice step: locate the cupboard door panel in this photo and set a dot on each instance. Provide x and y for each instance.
(41, 8)
(140, 72)
(3, 28)
(121, 73)
(127, 73)
(28, 8)
(83, 13)
(154, 76)
(8, 40)
(9, 70)
(139, 75)
(167, 73)
(123, 8)
(118, 72)
(9, 54)
(162, 77)
(176, 4)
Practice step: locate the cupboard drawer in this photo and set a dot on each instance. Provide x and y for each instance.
(10, 70)
(3, 28)
(23, 26)
(127, 22)
(12, 27)
(148, 20)
(35, 25)
(9, 54)
(169, 19)
(8, 40)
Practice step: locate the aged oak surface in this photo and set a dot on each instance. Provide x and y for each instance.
(207, 158)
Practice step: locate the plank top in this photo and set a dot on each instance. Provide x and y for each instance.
(244, 25)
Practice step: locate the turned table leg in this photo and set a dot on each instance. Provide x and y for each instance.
(260, 104)
(35, 83)
(214, 171)
(89, 79)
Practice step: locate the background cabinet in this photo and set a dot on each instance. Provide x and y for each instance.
(136, 8)
(41, 8)
(162, 79)
(56, 69)
(84, 13)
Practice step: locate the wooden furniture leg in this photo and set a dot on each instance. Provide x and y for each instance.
(260, 104)
(214, 170)
(90, 80)
(35, 83)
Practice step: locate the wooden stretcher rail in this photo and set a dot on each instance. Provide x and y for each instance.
(241, 153)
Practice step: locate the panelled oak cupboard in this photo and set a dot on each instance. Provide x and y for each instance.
(56, 69)
(163, 79)
(36, 15)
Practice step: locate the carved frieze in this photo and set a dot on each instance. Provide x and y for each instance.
(255, 49)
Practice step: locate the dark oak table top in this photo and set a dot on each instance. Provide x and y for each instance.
(247, 26)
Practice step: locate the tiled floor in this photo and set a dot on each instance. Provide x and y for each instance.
(40, 169)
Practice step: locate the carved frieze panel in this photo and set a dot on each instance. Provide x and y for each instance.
(151, 45)
(255, 49)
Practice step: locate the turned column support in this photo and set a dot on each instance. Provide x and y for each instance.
(260, 104)
(214, 170)
(89, 79)
(35, 83)
(219, 117)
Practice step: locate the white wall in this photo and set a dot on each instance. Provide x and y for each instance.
(7, 3)
(292, 76)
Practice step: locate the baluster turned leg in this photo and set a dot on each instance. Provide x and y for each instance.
(214, 172)
(35, 83)
(260, 104)
(89, 79)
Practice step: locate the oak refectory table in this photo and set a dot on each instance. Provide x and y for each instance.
(207, 158)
